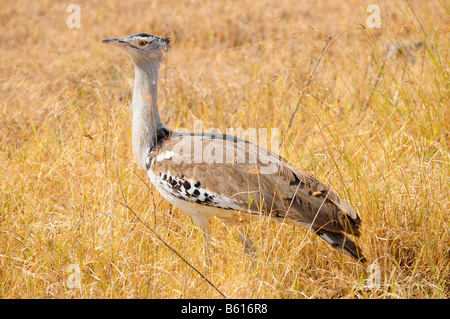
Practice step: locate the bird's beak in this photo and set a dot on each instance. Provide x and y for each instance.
(116, 42)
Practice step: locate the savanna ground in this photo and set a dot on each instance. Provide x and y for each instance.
(372, 124)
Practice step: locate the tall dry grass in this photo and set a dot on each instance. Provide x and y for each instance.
(375, 130)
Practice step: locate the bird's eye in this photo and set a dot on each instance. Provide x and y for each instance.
(142, 42)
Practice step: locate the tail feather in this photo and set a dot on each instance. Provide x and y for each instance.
(340, 241)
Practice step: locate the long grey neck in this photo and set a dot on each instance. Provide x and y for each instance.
(146, 121)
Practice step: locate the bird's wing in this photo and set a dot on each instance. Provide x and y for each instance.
(229, 173)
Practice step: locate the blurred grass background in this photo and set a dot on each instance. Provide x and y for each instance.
(373, 125)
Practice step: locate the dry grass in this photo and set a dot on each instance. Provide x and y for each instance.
(381, 140)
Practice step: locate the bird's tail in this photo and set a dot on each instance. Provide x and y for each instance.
(340, 241)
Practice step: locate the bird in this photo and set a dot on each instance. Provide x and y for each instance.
(211, 174)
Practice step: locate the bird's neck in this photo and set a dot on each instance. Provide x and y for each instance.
(146, 120)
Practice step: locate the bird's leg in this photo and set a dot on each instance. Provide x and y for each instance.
(203, 223)
(249, 246)
(247, 243)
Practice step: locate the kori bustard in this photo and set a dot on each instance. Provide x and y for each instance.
(244, 180)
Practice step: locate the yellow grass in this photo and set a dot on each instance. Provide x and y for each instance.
(380, 140)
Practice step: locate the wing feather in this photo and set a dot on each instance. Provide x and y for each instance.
(249, 178)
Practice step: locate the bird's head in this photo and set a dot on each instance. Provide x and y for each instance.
(142, 47)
